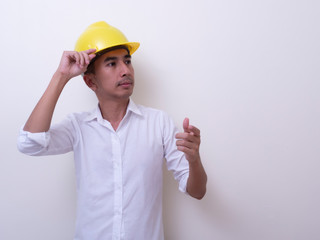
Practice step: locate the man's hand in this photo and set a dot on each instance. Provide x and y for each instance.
(74, 63)
(189, 141)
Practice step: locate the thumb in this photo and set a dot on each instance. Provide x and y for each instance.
(186, 124)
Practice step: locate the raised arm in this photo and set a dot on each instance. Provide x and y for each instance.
(72, 64)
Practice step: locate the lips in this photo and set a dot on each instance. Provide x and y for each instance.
(125, 82)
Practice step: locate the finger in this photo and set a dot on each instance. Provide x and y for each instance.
(90, 51)
(188, 137)
(81, 59)
(92, 56)
(186, 124)
(85, 58)
(75, 57)
(186, 144)
(187, 151)
(182, 135)
(194, 130)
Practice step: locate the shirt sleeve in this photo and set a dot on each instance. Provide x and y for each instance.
(175, 159)
(58, 140)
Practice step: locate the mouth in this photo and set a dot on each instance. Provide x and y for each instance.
(126, 82)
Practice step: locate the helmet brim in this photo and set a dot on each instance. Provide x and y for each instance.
(132, 47)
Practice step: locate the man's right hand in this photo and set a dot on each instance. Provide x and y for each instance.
(74, 63)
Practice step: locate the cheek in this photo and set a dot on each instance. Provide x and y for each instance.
(103, 81)
(103, 77)
(132, 69)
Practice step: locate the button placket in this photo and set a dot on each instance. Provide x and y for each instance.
(117, 166)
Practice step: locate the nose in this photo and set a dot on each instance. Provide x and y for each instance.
(124, 69)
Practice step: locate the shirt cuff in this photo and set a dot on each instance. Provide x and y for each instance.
(41, 138)
(183, 184)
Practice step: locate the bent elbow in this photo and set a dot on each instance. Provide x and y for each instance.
(198, 195)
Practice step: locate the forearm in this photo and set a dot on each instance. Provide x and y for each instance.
(40, 118)
(71, 64)
(197, 181)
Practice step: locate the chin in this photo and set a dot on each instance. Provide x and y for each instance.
(126, 95)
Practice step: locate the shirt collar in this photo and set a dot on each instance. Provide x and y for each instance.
(96, 113)
(132, 107)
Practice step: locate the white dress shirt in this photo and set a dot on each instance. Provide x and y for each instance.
(118, 173)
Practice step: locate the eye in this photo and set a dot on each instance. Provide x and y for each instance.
(111, 64)
(128, 62)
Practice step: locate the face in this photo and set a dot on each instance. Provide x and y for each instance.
(113, 78)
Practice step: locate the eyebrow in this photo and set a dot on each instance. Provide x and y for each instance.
(115, 58)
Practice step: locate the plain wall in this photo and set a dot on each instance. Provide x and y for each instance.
(245, 72)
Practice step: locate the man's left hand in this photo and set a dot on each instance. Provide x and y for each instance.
(189, 141)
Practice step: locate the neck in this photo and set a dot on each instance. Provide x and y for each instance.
(114, 111)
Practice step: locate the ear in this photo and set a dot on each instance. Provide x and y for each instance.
(89, 79)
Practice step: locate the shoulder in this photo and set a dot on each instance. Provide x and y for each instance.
(151, 112)
(155, 115)
(148, 110)
(80, 117)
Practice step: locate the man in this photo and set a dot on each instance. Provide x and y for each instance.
(119, 147)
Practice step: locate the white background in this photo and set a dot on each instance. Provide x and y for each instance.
(245, 72)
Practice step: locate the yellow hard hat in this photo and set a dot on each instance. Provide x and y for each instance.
(102, 36)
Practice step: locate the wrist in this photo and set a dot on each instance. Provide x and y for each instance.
(61, 77)
(195, 162)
